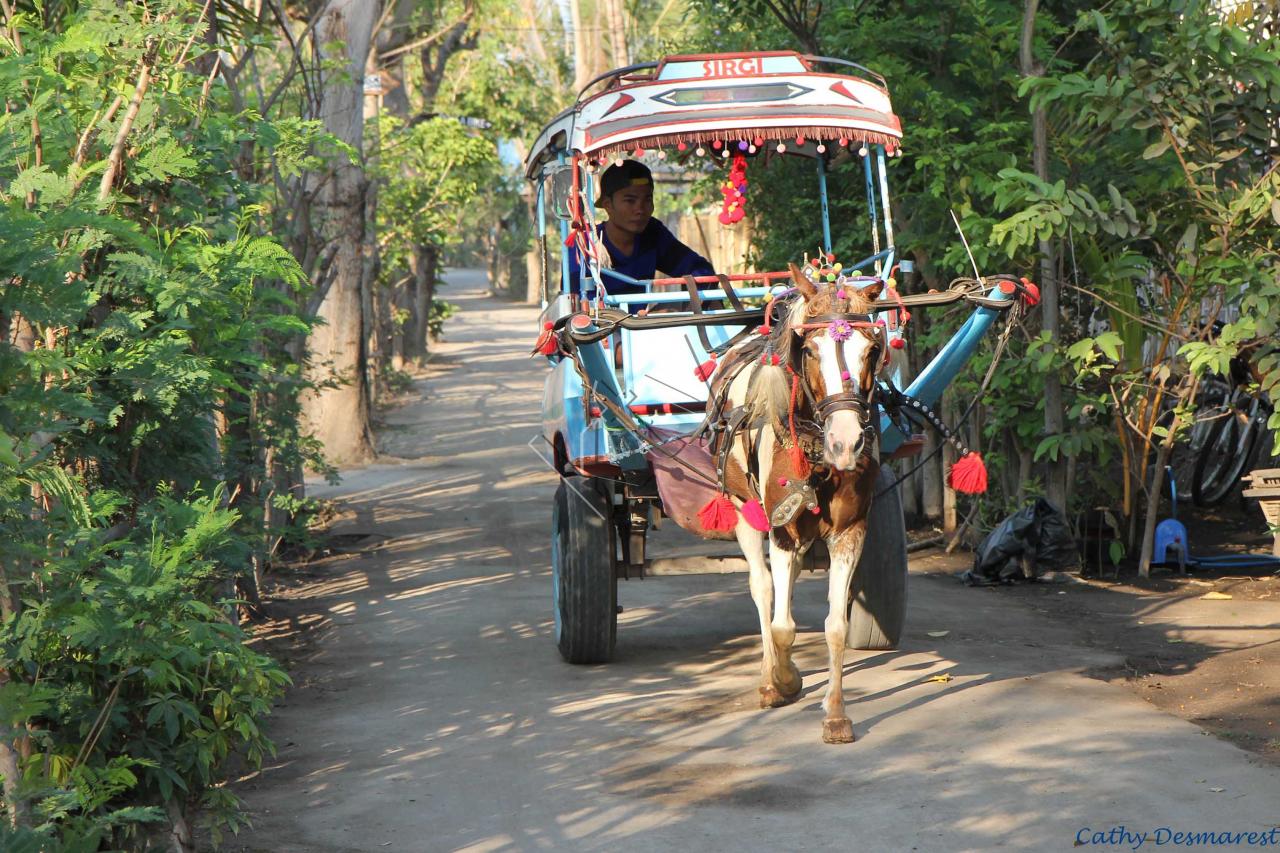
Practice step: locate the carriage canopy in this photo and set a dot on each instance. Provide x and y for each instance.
(702, 100)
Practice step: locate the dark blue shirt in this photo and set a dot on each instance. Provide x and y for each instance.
(656, 248)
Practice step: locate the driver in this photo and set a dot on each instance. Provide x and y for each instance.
(638, 245)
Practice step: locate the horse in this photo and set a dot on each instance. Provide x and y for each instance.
(798, 455)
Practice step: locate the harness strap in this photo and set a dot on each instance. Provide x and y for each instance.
(695, 303)
(729, 292)
(725, 444)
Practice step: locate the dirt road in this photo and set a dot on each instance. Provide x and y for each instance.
(432, 711)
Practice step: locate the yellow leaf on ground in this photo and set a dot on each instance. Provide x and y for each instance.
(941, 678)
(1216, 596)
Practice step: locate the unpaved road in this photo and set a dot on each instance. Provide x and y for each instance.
(433, 713)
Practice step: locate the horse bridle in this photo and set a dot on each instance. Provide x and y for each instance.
(850, 397)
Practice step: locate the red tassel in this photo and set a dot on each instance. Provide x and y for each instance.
(1030, 293)
(546, 343)
(703, 371)
(718, 514)
(753, 512)
(799, 462)
(969, 474)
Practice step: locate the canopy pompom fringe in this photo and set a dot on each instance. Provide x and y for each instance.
(969, 474)
(753, 512)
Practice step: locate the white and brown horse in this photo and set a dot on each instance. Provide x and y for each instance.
(796, 435)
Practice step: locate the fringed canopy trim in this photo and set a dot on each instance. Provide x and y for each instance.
(829, 136)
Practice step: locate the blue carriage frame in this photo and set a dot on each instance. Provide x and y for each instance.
(596, 442)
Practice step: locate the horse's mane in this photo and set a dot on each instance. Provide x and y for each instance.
(769, 394)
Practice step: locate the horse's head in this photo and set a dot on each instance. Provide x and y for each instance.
(837, 349)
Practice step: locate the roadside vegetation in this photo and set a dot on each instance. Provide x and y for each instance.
(218, 247)
(1125, 158)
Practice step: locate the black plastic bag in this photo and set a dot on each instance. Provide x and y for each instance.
(1036, 536)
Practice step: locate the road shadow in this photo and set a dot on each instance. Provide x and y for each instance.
(431, 710)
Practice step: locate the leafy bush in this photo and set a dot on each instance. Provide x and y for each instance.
(138, 686)
(440, 311)
(150, 336)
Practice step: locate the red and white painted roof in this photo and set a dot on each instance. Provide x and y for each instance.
(697, 100)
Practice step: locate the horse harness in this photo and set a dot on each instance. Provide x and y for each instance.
(726, 426)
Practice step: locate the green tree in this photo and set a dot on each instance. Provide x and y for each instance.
(145, 376)
(1174, 117)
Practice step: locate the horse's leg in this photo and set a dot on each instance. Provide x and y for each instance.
(845, 550)
(784, 565)
(752, 543)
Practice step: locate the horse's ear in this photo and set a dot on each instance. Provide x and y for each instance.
(872, 291)
(802, 283)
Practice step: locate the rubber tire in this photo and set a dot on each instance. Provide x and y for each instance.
(1211, 486)
(878, 604)
(585, 587)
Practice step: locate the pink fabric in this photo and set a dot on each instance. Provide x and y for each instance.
(683, 493)
(753, 512)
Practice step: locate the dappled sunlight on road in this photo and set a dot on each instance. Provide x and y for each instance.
(434, 713)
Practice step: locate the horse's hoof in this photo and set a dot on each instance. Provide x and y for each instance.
(791, 685)
(771, 697)
(837, 731)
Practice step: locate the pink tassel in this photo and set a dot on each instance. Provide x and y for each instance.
(969, 474)
(719, 514)
(753, 512)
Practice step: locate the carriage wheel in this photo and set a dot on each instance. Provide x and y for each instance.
(878, 604)
(585, 588)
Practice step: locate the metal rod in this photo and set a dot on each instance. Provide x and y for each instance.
(566, 286)
(871, 206)
(822, 196)
(884, 200)
(545, 283)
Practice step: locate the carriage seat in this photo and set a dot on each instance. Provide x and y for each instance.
(658, 364)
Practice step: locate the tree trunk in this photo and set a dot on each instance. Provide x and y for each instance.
(242, 459)
(1153, 506)
(339, 416)
(617, 32)
(948, 459)
(10, 773)
(427, 260)
(372, 299)
(395, 100)
(179, 828)
(581, 67)
(931, 486)
(430, 280)
(534, 290)
(1054, 412)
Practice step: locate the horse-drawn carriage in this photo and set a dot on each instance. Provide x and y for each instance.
(751, 406)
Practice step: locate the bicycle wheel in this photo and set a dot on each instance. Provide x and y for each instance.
(1223, 459)
(1187, 451)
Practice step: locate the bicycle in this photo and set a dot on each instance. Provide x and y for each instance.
(1229, 447)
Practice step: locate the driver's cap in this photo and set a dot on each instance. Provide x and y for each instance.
(628, 173)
